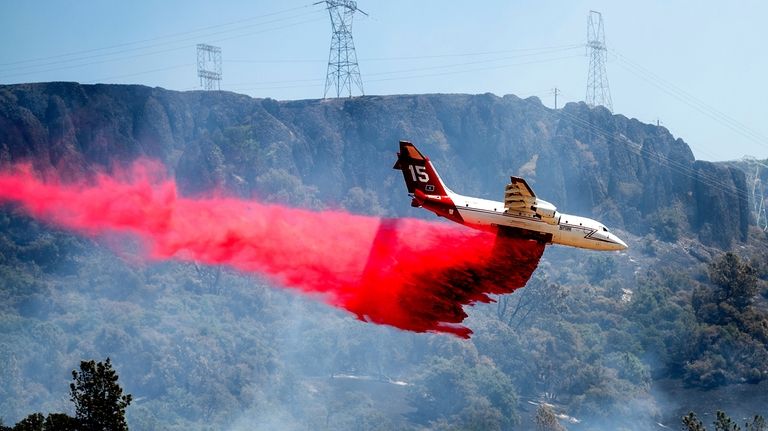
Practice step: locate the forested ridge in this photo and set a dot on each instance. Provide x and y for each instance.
(604, 338)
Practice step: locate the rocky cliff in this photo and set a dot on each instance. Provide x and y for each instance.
(339, 152)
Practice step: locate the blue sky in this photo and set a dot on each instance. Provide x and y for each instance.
(698, 68)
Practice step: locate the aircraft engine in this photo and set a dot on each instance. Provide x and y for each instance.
(544, 209)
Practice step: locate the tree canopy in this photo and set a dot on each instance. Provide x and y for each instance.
(99, 400)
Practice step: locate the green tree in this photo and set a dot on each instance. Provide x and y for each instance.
(546, 420)
(38, 422)
(668, 222)
(33, 422)
(692, 423)
(472, 395)
(540, 298)
(724, 423)
(99, 400)
(600, 268)
(757, 424)
(736, 279)
(60, 422)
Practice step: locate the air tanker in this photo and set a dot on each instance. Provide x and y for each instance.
(522, 214)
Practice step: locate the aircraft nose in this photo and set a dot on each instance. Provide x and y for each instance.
(620, 245)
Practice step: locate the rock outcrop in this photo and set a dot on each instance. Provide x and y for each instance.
(331, 152)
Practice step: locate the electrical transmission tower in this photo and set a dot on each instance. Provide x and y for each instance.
(343, 71)
(209, 66)
(759, 195)
(598, 92)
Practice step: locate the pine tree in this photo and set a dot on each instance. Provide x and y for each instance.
(99, 400)
(33, 422)
(692, 423)
(724, 423)
(736, 278)
(757, 424)
(546, 420)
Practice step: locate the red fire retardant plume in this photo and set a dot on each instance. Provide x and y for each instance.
(411, 274)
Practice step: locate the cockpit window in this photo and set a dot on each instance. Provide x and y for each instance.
(605, 229)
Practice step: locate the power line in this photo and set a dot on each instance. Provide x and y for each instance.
(681, 168)
(689, 99)
(453, 65)
(144, 72)
(121, 45)
(503, 66)
(118, 55)
(468, 63)
(396, 78)
(419, 57)
(555, 48)
(261, 84)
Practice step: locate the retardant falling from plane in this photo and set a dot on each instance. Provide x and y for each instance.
(407, 273)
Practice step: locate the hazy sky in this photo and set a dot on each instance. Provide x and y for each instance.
(698, 67)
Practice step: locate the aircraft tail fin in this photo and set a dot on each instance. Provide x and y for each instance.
(419, 174)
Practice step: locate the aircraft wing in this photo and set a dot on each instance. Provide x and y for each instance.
(518, 196)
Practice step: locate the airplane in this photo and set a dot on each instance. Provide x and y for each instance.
(522, 214)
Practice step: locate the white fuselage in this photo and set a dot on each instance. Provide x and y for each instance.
(565, 229)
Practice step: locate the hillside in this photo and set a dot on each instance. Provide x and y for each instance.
(632, 175)
(611, 340)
